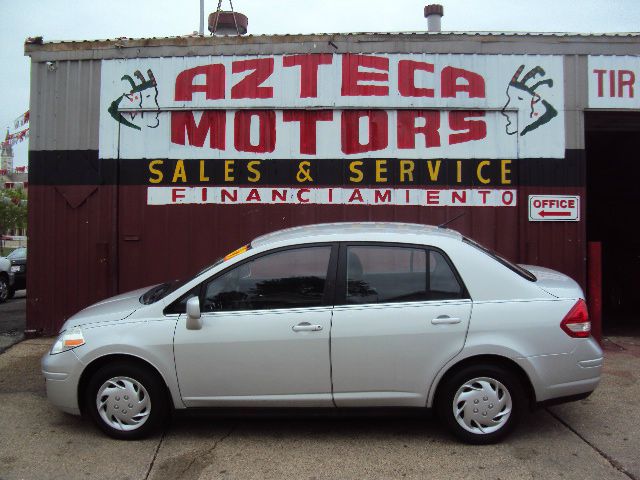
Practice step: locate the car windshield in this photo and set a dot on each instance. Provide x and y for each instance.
(18, 253)
(160, 291)
(523, 272)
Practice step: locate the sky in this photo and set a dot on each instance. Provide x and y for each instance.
(99, 19)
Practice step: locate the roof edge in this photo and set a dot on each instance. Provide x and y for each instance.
(36, 44)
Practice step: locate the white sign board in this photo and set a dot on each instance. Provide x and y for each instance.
(554, 208)
(333, 106)
(614, 82)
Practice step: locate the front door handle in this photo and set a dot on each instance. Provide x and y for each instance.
(445, 320)
(306, 327)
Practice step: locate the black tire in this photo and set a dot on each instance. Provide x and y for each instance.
(510, 382)
(155, 397)
(4, 288)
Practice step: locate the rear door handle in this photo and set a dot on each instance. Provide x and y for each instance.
(306, 327)
(445, 320)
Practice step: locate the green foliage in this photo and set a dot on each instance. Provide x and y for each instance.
(13, 209)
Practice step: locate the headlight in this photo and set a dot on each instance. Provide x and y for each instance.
(67, 340)
(15, 268)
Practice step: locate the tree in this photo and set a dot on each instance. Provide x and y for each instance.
(13, 209)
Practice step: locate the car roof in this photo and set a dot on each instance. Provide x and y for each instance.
(349, 230)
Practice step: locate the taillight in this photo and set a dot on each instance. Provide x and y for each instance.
(576, 323)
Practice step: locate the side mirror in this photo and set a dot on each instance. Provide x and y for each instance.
(194, 319)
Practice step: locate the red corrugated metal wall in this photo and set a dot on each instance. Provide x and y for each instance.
(105, 240)
(71, 246)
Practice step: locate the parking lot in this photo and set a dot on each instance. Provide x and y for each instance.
(595, 438)
(12, 320)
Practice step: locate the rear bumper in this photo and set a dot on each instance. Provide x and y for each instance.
(560, 400)
(563, 376)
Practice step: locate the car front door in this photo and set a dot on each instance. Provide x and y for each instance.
(403, 314)
(265, 333)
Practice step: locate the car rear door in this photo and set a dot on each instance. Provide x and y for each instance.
(265, 334)
(401, 313)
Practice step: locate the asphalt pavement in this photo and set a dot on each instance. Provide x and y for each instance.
(12, 320)
(597, 438)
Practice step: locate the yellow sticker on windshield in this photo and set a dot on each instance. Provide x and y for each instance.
(235, 253)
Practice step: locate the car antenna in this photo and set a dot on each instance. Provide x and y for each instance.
(443, 225)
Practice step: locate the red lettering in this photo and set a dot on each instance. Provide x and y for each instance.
(308, 71)
(461, 197)
(356, 195)
(433, 197)
(267, 131)
(484, 194)
(469, 129)
(600, 75)
(213, 86)
(224, 195)
(212, 123)
(407, 129)
(249, 86)
(449, 83)
(536, 203)
(350, 131)
(204, 194)
(382, 197)
(302, 199)
(612, 83)
(308, 120)
(626, 78)
(177, 194)
(352, 76)
(254, 195)
(282, 196)
(507, 197)
(407, 78)
(572, 203)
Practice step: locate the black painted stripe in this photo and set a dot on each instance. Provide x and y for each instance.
(74, 167)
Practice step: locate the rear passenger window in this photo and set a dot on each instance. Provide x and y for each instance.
(378, 274)
(443, 284)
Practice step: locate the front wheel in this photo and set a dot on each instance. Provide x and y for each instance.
(4, 288)
(126, 401)
(481, 404)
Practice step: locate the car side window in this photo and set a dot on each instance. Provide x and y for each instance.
(287, 279)
(443, 284)
(381, 274)
(377, 274)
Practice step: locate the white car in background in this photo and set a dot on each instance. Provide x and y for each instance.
(336, 316)
(6, 279)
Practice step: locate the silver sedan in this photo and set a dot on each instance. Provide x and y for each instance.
(334, 316)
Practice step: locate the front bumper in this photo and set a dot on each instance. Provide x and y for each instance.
(62, 375)
(20, 281)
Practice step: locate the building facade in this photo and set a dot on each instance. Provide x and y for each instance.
(150, 158)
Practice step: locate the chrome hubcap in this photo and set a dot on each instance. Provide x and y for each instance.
(4, 289)
(123, 403)
(482, 405)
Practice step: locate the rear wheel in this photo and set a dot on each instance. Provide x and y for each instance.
(126, 401)
(481, 404)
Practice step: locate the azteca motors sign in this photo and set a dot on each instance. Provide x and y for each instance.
(407, 126)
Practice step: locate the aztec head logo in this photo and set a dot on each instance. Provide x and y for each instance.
(533, 111)
(142, 96)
